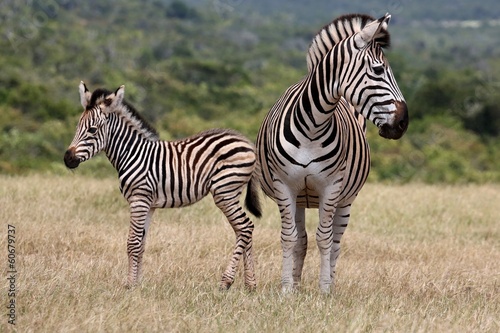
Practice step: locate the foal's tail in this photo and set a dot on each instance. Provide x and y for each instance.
(252, 201)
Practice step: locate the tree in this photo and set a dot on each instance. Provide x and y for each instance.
(180, 10)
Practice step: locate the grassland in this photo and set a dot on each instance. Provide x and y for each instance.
(416, 258)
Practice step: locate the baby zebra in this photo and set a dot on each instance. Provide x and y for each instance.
(158, 174)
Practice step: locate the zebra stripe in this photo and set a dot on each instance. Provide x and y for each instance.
(312, 148)
(161, 174)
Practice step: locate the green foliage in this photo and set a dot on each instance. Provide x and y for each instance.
(36, 149)
(468, 94)
(435, 149)
(180, 10)
(191, 65)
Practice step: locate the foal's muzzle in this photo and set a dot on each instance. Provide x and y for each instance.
(70, 158)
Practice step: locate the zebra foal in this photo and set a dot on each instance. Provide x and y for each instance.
(160, 174)
(311, 147)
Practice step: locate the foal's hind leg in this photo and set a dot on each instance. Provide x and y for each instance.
(228, 202)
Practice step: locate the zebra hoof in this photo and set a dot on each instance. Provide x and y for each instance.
(326, 289)
(251, 287)
(288, 289)
(224, 285)
(130, 284)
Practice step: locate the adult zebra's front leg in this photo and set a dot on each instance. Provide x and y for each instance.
(340, 221)
(141, 214)
(325, 235)
(300, 248)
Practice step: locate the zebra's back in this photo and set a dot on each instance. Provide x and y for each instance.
(186, 170)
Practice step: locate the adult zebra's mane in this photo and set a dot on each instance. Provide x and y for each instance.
(127, 112)
(341, 28)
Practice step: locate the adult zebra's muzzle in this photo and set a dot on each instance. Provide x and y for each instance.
(70, 158)
(399, 125)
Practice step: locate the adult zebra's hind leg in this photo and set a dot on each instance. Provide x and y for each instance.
(300, 248)
(140, 219)
(228, 202)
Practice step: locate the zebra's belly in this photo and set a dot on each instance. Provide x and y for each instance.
(176, 200)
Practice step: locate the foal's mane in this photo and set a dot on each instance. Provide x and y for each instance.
(127, 112)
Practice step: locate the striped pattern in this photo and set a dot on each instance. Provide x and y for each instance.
(311, 146)
(158, 174)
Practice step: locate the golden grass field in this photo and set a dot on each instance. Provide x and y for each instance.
(415, 258)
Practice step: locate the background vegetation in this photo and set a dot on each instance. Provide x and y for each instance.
(193, 65)
(430, 265)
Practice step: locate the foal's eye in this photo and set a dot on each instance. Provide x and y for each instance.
(378, 70)
(92, 130)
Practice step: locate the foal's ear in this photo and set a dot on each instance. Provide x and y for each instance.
(84, 95)
(115, 99)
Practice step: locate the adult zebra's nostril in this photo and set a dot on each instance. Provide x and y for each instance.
(403, 125)
(402, 111)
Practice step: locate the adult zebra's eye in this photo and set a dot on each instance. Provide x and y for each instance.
(378, 70)
(92, 130)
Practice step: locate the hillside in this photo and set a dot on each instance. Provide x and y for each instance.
(188, 66)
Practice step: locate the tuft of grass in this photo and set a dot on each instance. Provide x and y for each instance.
(415, 258)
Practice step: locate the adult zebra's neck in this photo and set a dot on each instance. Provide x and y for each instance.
(320, 97)
(330, 50)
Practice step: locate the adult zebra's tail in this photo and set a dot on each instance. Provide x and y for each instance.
(252, 201)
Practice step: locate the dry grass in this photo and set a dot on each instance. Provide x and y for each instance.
(415, 258)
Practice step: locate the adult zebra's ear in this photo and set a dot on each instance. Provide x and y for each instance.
(84, 94)
(115, 99)
(376, 30)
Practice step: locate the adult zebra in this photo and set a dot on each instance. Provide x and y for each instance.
(158, 174)
(311, 146)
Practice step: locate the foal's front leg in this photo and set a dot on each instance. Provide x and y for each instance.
(140, 219)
